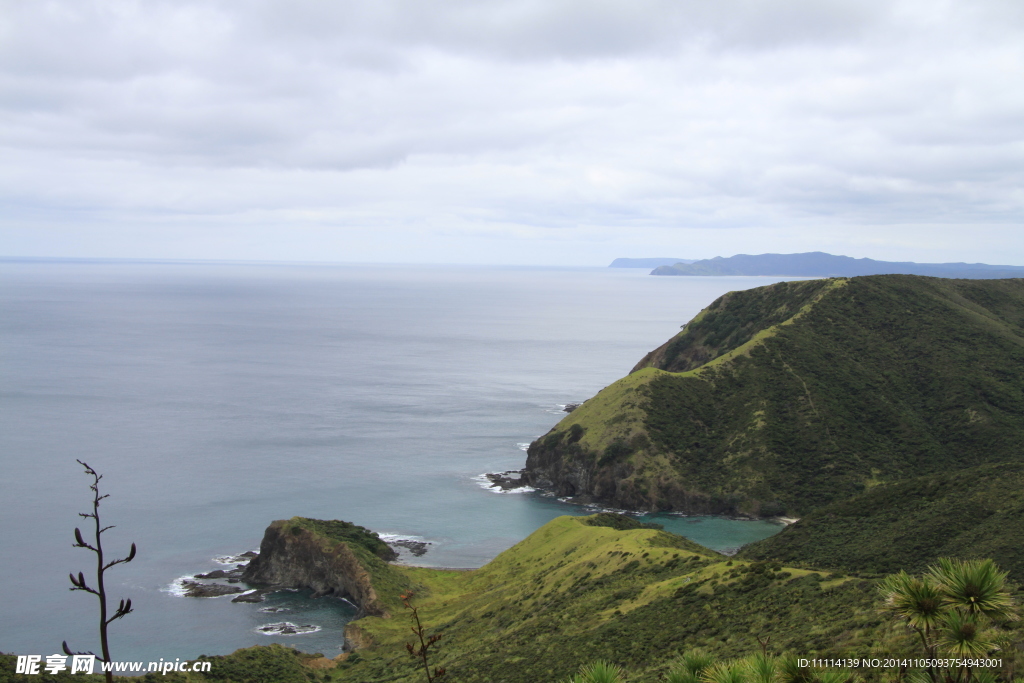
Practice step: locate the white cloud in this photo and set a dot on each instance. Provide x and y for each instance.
(573, 131)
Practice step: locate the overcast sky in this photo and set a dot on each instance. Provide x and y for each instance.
(512, 131)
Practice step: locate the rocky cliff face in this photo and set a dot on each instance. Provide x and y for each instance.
(295, 557)
(586, 476)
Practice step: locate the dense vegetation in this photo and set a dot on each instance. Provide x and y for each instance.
(868, 380)
(972, 513)
(347, 532)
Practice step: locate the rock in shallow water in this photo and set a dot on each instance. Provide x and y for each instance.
(223, 574)
(194, 589)
(505, 481)
(287, 628)
(417, 548)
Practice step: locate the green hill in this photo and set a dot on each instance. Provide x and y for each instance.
(785, 398)
(573, 592)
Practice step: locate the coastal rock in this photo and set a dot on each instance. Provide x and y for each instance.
(417, 548)
(239, 560)
(195, 589)
(505, 481)
(292, 556)
(573, 473)
(569, 407)
(287, 628)
(223, 574)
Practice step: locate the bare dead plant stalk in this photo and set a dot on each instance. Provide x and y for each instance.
(78, 583)
(426, 642)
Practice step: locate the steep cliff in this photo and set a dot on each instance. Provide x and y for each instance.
(783, 398)
(331, 558)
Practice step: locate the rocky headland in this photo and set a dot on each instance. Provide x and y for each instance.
(330, 558)
(777, 400)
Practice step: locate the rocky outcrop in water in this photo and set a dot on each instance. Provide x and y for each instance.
(195, 589)
(505, 481)
(293, 556)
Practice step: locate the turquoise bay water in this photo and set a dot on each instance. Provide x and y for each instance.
(216, 398)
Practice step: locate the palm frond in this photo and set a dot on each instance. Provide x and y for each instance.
(790, 671)
(917, 600)
(761, 668)
(601, 672)
(962, 637)
(975, 586)
(725, 672)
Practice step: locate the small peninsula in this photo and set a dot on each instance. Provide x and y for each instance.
(331, 558)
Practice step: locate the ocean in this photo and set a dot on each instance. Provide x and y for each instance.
(215, 398)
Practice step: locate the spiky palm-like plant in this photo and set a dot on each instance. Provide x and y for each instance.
(689, 667)
(725, 672)
(599, 672)
(949, 607)
(974, 587)
(790, 671)
(919, 602)
(961, 636)
(762, 668)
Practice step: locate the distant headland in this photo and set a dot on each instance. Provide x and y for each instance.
(646, 262)
(820, 264)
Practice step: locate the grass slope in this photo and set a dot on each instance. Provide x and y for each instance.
(789, 397)
(572, 593)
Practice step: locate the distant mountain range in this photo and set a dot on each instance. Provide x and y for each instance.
(820, 264)
(646, 262)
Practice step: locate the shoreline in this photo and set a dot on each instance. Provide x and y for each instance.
(502, 482)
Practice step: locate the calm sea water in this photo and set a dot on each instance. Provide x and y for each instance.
(216, 398)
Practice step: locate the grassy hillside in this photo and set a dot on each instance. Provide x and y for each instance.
(784, 398)
(572, 593)
(973, 513)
